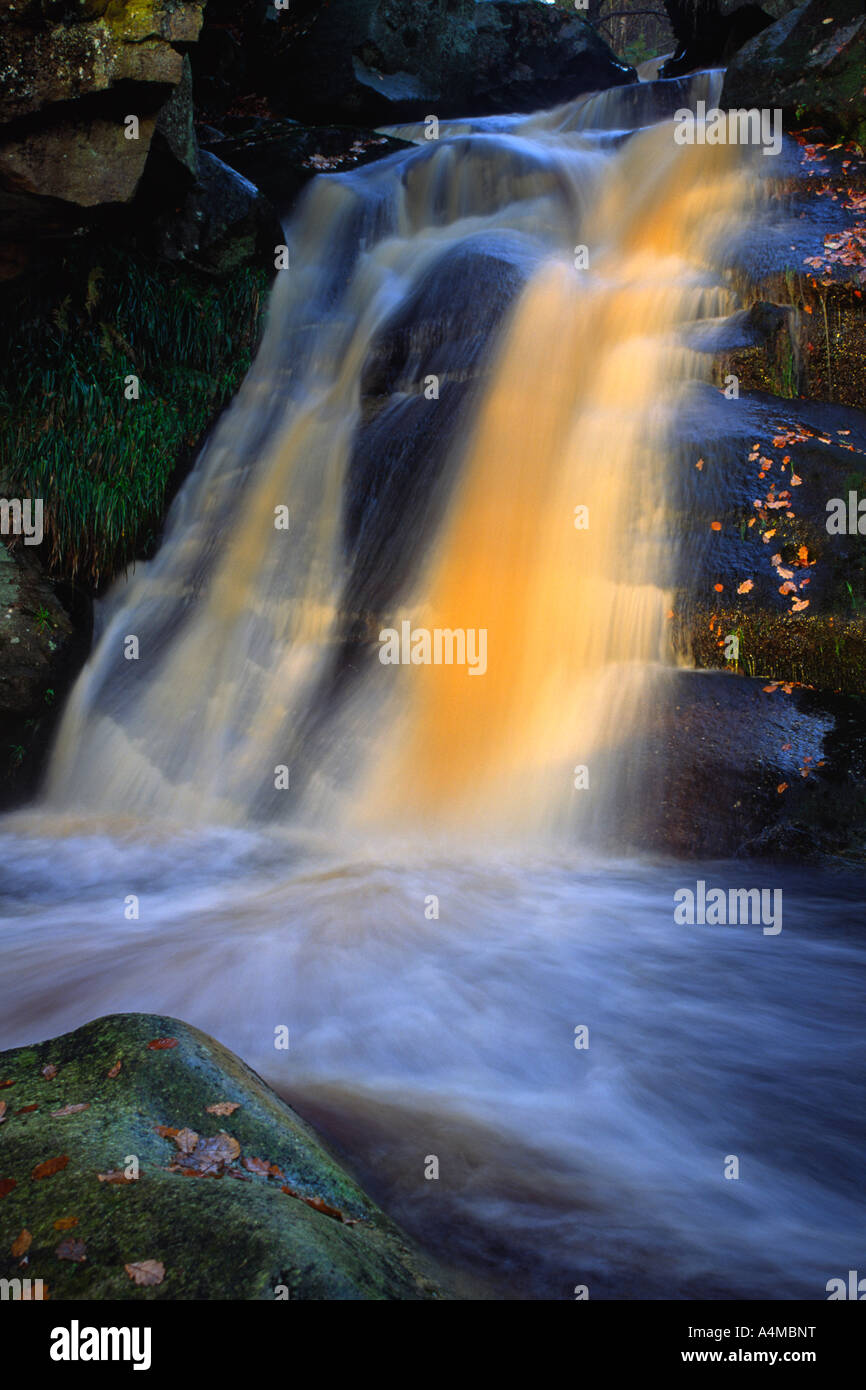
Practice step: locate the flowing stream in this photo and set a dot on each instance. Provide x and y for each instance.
(462, 405)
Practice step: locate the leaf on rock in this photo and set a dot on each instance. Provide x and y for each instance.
(166, 1131)
(160, 1044)
(114, 1175)
(146, 1272)
(49, 1071)
(72, 1248)
(66, 1223)
(50, 1167)
(21, 1244)
(257, 1165)
(186, 1140)
(223, 1107)
(4, 1084)
(114, 1071)
(208, 1158)
(6, 1186)
(746, 587)
(70, 1110)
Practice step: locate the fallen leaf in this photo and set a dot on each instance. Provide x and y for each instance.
(223, 1107)
(4, 1084)
(160, 1044)
(146, 1272)
(256, 1165)
(70, 1110)
(26, 1109)
(50, 1167)
(66, 1223)
(114, 1071)
(21, 1244)
(715, 526)
(782, 787)
(209, 1157)
(49, 1071)
(186, 1140)
(799, 605)
(6, 1186)
(718, 588)
(72, 1249)
(114, 1175)
(166, 1131)
(746, 587)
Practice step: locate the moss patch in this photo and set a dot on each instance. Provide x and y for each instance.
(236, 1235)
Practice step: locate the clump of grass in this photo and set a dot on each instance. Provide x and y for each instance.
(102, 463)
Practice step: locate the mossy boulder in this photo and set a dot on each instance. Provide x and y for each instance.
(812, 64)
(244, 1202)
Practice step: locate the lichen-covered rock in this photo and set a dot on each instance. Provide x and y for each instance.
(241, 1201)
(812, 64)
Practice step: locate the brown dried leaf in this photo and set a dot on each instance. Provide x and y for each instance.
(6, 1186)
(186, 1140)
(223, 1107)
(70, 1110)
(21, 1244)
(4, 1084)
(160, 1044)
(146, 1272)
(50, 1167)
(166, 1131)
(257, 1165)
(49, 1071)
(66, 1223)
(114, 1071)
(72, 1249)
(114, 1175)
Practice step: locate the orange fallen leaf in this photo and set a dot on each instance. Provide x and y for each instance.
(799, 605)
(66, 1223)
(21, 1244)
(256, 1165)
(803, 553)
(223, 1107)
(782, 787)
(718, 588)
(114, 1071)
(787, 587)
(4, 1084)
(146, 1272)
(160, 1044)
(166, 1131)
(746, 587)
(49, 1071)
(795, 481)
(715, 526)
(50, 1167)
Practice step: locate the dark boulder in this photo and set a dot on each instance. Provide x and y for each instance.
(381, 61)
(811, 64)
(717, 40)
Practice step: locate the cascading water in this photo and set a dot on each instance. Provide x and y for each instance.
(442, 387)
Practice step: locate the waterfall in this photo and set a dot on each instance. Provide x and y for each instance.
(539, 522)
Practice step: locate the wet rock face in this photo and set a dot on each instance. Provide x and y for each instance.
(810, 63)
(41, 650)
(215, 1150)
(376, 61)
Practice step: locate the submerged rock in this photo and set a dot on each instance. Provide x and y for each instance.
(235, 1198)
